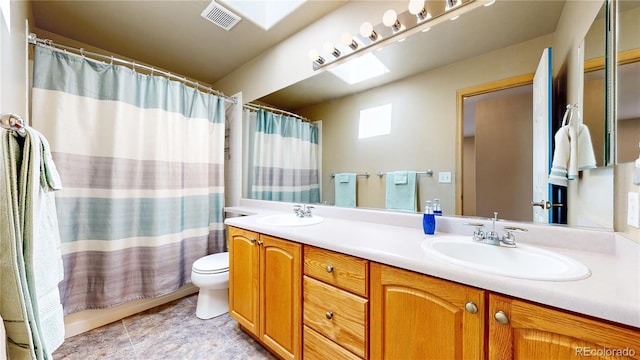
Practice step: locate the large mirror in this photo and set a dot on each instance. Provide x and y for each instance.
(628, 81)
(428, 69)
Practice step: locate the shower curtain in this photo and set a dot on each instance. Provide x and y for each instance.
(285, 159)
(142, 160)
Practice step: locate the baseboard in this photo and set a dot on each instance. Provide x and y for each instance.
(83, 321)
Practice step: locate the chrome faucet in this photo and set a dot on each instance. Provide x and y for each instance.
(303, 211)
(491, 237)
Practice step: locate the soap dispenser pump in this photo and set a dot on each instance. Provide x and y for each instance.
(428, 219)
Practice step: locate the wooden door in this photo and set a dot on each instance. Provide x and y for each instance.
(243, 278)
(281, 296)
(535, 332)
(415, 316)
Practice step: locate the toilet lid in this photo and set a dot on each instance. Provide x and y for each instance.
(212, 264)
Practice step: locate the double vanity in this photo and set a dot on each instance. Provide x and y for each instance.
(357, 284)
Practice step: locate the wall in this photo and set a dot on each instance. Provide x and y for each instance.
(423, 126)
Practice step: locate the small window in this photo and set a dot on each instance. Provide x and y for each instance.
(375, 121)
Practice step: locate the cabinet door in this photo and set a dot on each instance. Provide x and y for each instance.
(415, 316)
(243, 278)
(280, 296)
(536, 332)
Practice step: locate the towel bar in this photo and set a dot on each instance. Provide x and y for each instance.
(365, 174)
(428, 172)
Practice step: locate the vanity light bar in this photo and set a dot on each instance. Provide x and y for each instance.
(375, 36)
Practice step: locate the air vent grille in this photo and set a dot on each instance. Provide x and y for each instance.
(220, 16)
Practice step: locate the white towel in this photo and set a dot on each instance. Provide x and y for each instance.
(573, 149)
(586, 156)
(561, 155)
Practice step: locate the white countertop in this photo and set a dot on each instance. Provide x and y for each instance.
(612, 292)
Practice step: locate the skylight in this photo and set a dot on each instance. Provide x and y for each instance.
(264, 13)
(359, 69)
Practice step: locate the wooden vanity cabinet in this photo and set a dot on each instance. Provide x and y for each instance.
(336, 305)
(415, 316)
(265, 292)
(522, 330)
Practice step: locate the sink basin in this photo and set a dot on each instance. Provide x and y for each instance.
(289, 220)
(525, 262)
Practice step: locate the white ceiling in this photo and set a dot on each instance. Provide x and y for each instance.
(170, 34)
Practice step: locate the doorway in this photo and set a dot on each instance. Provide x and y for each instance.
(495, 149)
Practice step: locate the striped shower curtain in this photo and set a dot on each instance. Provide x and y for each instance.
(141, 159)
(285, 159)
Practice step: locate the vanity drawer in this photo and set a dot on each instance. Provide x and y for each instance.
(344, 271)
(337, 314)
(318, 347)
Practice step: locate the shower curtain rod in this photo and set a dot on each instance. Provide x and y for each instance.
(253, 106)
(34, 40)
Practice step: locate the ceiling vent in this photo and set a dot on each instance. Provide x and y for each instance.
(220, 16)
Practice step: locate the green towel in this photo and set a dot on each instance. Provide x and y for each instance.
(345, 189)
(401, 191)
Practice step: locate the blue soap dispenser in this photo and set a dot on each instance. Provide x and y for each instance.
(437, 210)
(428, 219)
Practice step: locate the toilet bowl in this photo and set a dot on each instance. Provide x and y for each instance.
(211, 275)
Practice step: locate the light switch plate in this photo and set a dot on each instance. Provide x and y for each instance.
(444, 177)
(633, 209)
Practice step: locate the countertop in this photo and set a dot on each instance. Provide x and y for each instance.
(612, 292)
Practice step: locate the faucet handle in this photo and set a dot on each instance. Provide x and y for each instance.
(508, 239)
(478, 233)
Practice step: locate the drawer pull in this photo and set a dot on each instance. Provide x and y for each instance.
(329, 268)
(471, 307)
(501, 318)
(329, 315)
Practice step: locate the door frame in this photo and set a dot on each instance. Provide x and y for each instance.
(526, 79)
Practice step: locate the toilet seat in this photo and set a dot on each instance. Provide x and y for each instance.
(212, 264)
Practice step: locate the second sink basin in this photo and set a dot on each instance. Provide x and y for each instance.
(525, 262)
(289, 220)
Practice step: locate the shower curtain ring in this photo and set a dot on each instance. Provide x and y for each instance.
(82, 52)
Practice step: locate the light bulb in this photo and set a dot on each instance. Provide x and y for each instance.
(366, 30)
(347, 40)
(416, 6)
(390, 19)
(315, 57)
(330, 48)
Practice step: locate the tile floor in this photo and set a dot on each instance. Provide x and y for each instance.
(168, 332)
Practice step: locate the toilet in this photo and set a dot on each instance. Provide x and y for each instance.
(211, 275)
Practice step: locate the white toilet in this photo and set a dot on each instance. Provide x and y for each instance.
(211, 275)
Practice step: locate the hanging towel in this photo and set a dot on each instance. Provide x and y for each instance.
(561, 154)
(586, 156)
(401, 195)
(573, 149)
(400, 177)
(345, 185)
(31, 258)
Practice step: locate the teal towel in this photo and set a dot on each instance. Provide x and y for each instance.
(401, 191)
(345, 189)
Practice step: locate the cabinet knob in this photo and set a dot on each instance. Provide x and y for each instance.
(471, 307)
(329, 315)
(253, 240)
(260, 242)
(501, 317)
(329, 268)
